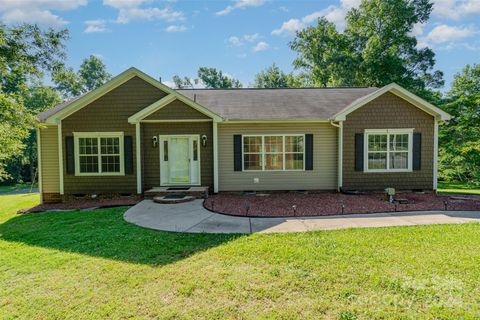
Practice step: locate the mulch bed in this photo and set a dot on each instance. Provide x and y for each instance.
(321, 204)
(80, 204)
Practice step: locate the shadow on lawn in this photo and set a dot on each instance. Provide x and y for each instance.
(104, 233)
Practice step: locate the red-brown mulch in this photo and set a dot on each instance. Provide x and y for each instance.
(80, 204)
(320, 204)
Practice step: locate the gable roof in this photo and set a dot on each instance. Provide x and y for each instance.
(142, 114)
(65, 109)
(403, 93)
(249, 104)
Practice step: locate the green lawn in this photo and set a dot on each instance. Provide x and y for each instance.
(458, 187)
(16, 186)
(92, 264)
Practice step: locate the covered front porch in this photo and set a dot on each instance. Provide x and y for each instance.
(176, 149)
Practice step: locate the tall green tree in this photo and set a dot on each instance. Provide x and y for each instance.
(211, 78)
(91, 74)
(273, 77)
(460, 138)
(376, 48)
(216, 79)
(182, 83)
(27, 53)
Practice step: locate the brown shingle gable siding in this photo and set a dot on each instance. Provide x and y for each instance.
(177, 110)
(388, 112)
(109, 113)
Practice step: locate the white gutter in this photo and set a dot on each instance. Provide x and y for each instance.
(138, 157)
(39, 164)
(435, 155)
(215, 157)
(60, 156)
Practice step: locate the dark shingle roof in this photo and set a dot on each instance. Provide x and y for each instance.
(47, 113)
(265, 104)
(272, 104)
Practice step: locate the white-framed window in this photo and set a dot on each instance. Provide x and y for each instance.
(273, 152)
(99, 153)
(388, 150)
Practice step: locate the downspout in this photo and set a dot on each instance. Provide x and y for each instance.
(340, 153)
(435, 155)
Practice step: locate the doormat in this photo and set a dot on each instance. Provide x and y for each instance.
(179, 188)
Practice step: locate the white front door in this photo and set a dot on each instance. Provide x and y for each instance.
(179, 160)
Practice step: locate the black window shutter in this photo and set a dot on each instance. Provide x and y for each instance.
(359, 143)
(417, 151)
(309, 151)
(237, 152)
(70, 154)
(128, 153)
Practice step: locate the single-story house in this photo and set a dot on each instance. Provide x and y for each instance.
(135, 133)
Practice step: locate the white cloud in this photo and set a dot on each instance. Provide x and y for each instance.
(417, 29)
(251, 37)
(37, 11)
(130, 10)
(174, 28)
(240, 4)
(283, 8)
(261, 46)
(235, 41)
(455, 9)
(240, 40)
(445, 34)
(334, 14)
(94, 26)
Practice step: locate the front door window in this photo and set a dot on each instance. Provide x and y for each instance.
(179, 160)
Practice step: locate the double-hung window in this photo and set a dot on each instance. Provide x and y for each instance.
(99, 153)
(273, 152)
(388, 150)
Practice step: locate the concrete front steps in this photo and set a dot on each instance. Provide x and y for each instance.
(176, 192)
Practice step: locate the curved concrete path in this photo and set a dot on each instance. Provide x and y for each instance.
(194, 218)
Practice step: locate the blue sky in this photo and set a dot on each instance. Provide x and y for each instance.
(240, 37)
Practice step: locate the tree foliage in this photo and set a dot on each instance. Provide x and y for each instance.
(215, 79)
(376, 48)
(183, 83)
(210, 78)
(460, 138)
(91, 74)
(26, 54)
(273, 77)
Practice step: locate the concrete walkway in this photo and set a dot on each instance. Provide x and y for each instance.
(194, 218)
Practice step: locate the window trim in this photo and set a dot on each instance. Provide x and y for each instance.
(263, 153)
(388, 132)
(98, 135)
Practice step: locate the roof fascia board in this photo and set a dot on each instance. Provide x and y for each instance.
(400, 92)
(158, 105)
(91, 96)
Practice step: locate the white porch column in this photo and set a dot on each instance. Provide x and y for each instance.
(215, 157)
(138, 157)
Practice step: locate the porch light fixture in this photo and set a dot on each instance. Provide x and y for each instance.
(154, 141)
(204, 140)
